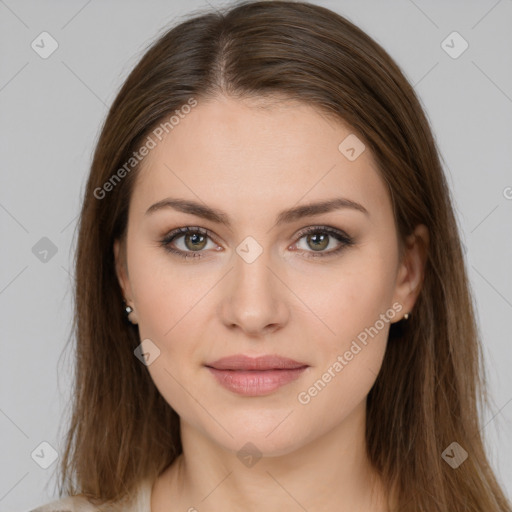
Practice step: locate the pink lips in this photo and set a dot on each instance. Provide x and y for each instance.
(255, 376)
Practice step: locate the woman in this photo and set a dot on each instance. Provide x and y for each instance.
(267, 200)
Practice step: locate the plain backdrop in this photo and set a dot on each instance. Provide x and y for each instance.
(51, 110)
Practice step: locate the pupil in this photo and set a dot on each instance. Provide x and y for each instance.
(194, 239)
(322, 242)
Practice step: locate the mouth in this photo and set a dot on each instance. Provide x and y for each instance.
(262, 363)
(259, 376)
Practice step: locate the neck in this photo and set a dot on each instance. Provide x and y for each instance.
(330, 473)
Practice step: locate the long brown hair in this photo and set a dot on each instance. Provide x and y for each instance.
(428, 392)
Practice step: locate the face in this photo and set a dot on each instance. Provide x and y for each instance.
(259, 283)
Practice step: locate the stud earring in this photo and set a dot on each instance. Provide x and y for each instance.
(128, 310)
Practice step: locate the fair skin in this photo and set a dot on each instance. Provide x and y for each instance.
(253, 163)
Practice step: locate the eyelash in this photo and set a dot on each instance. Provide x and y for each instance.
(346, 241)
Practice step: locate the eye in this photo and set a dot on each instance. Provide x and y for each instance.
(195, 240)
(318, 237)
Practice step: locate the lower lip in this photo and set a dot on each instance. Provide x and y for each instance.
(255, 383)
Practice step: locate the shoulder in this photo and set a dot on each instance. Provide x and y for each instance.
(68, 504)
(140, 502)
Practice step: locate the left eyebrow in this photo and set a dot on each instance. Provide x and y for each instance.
(286, 216)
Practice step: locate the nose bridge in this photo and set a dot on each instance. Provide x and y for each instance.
(256, 298)
(252, 273)
(252, 264)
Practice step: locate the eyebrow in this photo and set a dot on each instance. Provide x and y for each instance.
(285, 216)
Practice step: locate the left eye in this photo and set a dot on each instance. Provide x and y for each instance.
(318, 238)
(195, 240)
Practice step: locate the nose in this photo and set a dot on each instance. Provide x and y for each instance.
(254, 297)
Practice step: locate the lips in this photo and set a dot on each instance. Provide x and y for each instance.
(242, 362)
(255, 376)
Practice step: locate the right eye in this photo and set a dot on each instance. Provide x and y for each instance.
(193, 238)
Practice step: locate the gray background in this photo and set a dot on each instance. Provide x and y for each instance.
(51, 111)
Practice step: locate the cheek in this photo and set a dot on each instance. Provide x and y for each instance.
(173, 306)
(355, 307)
(164, 292)
(351, 351)
(168, 305)
(352, 296)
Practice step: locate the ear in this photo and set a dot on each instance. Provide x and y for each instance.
(411, 271)
(121, 269)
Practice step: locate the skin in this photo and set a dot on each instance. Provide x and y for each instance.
(252, 163)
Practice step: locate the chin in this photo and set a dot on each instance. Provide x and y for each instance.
(268, 439)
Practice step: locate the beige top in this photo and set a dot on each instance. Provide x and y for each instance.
(141, 503)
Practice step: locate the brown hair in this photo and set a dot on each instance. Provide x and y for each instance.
(431, 382)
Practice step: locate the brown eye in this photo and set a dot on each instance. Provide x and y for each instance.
(195, 239)
(318, 238)
(318, 241)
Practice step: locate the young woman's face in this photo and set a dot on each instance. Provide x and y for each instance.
(256, 284)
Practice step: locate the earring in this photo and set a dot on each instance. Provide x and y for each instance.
(406, 316)
(128, 310)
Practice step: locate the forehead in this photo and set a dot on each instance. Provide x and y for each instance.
(252, 155)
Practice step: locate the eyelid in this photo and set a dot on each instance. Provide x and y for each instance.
(323, 228)
(173, 234)
(342, 237)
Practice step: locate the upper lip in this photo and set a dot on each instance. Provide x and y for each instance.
(266, 362)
